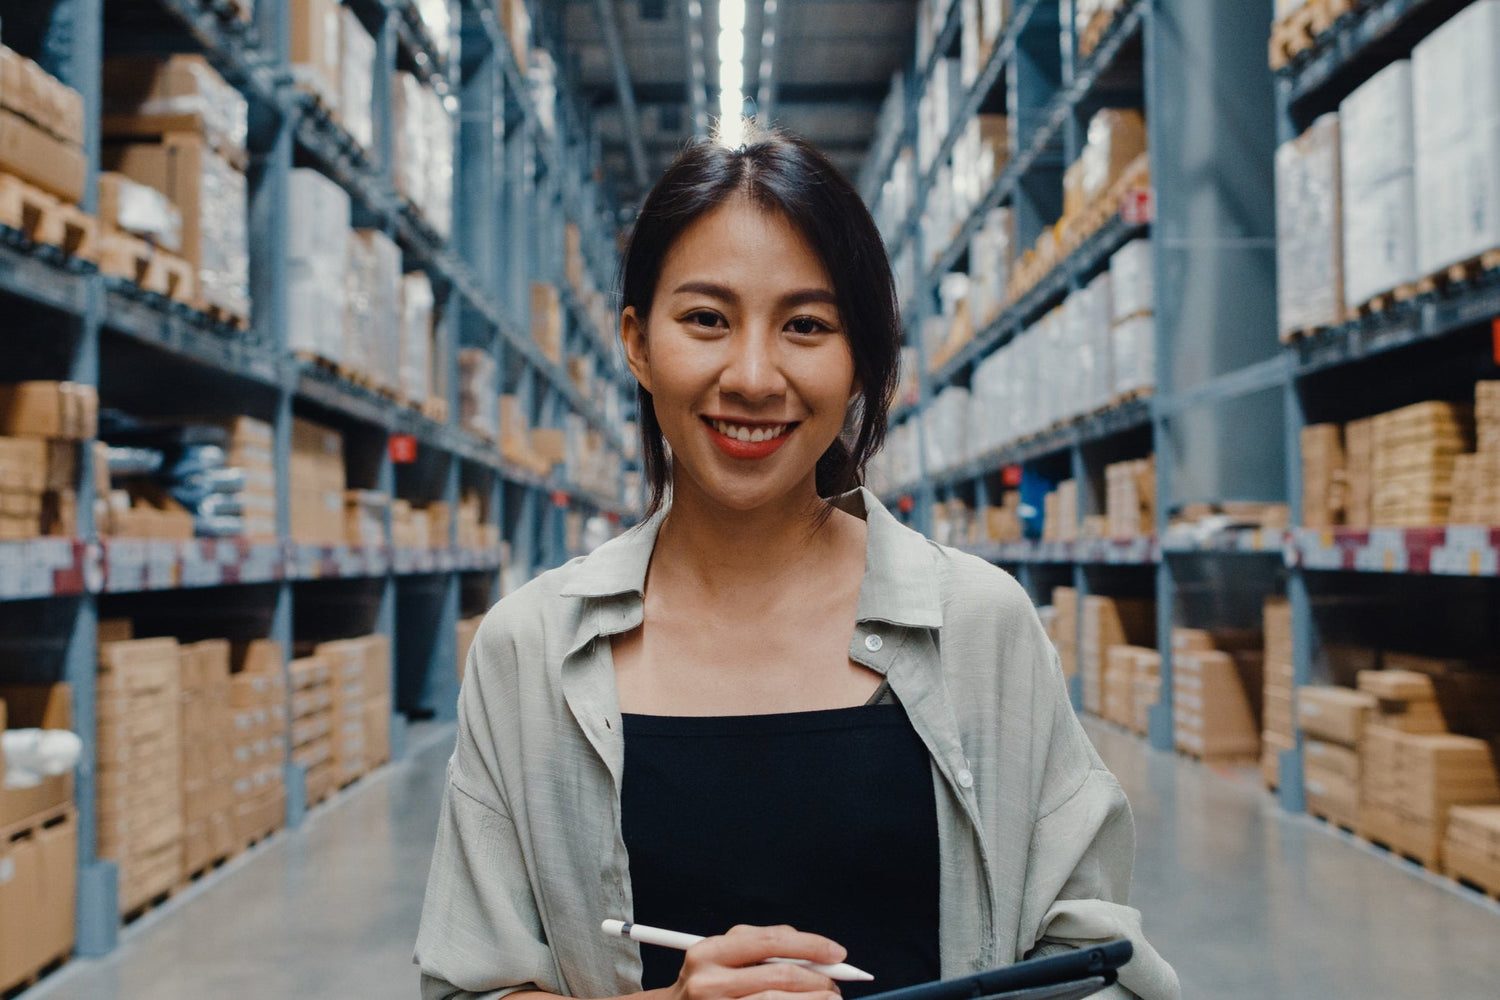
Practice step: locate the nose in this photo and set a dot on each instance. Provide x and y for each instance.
(753, 372)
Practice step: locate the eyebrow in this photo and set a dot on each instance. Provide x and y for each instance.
(803, 296)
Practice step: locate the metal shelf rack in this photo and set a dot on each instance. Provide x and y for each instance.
(516, 186)
(1219, 384)
(1351, 370)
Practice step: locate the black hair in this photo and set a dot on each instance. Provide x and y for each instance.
(778, 172)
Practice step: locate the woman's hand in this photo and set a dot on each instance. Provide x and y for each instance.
(733, 966)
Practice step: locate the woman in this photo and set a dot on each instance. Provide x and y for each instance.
(770, 705)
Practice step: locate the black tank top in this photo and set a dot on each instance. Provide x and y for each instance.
(823, 820)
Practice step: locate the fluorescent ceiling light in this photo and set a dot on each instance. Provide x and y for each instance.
(731, 72)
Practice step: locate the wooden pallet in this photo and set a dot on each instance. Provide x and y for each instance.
(43, 219)
(150, 905)
(153, 269)
(1463, 271)
(1337, 823)
(1385, 301)
(1299, 30)
(1093, 33)
(222, 316)
(42, 972)
(436, 410)
(197, 875)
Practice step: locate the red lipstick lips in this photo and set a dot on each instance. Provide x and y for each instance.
(750, 450)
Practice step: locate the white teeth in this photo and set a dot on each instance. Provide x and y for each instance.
(750, 435)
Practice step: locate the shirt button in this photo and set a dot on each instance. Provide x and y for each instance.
(873, 643)
(965, 779)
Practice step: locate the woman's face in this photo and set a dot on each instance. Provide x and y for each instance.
(745, 357)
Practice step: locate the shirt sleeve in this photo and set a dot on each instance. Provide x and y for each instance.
(1079, 865)
(481, 935)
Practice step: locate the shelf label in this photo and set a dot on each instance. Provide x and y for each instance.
(1138, 207)
(403, 448)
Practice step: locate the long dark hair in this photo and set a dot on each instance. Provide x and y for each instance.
(783, 173)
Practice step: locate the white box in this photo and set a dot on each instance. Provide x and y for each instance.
(1132, 285)
(1133, 354)
(1378, 160)
(357, 80)
(1456, 106)
(318, 258)
(1309, 229)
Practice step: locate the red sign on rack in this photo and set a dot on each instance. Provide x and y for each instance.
(1495, 336)
(906, 504)
(1139, 207)
(560, 498)
(1010, 476)
(403, 448)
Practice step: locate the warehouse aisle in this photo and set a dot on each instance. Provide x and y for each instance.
(1245, 901)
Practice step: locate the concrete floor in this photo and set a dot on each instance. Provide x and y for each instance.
(1244, 900)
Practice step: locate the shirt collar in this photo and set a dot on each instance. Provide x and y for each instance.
(899, 586)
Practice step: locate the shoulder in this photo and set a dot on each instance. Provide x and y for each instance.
(972, 589)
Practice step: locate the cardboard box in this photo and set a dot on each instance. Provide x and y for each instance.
(148, 98)
(317, 50)
(212, 196)
(546, 320)
(1334, 714)
(64, 410)
(38, 158)
(41, 98)
(37, 897)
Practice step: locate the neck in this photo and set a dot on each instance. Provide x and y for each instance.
(723, 550)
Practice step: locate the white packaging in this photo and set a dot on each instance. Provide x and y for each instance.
(357, 81)
(1309, 229)
(143, 211)
(1377, 162)
(417, 305)
(437, 20)
(318, 257)
(989, 266)
(1456, 105)
(372, 308)
(1133, 354)
(1131, 282)
(1099, 310)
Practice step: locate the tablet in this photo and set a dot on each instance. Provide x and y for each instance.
(1073, 975)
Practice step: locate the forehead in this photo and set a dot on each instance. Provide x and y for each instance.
(742, 245)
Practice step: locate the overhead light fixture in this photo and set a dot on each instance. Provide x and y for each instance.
(731, 72)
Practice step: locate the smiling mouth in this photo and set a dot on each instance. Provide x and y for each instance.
(749, 433)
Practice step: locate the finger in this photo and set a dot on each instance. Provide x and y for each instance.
(778, 977)
(745, 945)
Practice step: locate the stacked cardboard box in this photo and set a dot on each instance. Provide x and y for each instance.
(38, 846)
(1309, 230)
(139, 780)
(1064, 631)
(1132, 685)
(1130, 498)
(317, 51)
(474, 529)
(346, 662)
(356, 80)
(1487, 416)
(208, 833)
(41, 129)
(423, 135)
(1333, 721)
(1414, 453)
(372, 309)
(1471, 849)
(318, 484)
(478, 393)
(516, 20)
(252, 449)
(379, 702)
(318, 265)
(1405, 700)
(1278, 731)
(312, 725)
(1359, 472)
(1378, 194)
(1060, 513)
(1476, 477)
(546, 320)
(258, 707)
(1410, 781)
(468, 629)
(365, 513)
(1323, 476)
(1132, 308)
(418, 348)
(1213, 713)
(1109, 622)
(178, 127)
(41, 425)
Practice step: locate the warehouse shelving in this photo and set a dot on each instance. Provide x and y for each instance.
(1219, 385)
(1352, 369)
(72, 323)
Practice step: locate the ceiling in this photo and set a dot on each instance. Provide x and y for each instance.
(831, 67)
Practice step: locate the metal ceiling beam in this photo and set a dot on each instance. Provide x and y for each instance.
(609, 25)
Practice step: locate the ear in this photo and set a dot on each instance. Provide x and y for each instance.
(633, 337)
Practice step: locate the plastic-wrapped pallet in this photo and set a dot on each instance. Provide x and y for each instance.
(372, 337)
(989, 266)
(146, 97)
(437, 21)
(1309, 229)
(1456, 102)
(423, 132)
(357, 80)
(316, 51)
(1097, 322)
(417, 305)
(1132, 355)
(541, 75)
(1379, 187)
(479, 401)
(318, 258)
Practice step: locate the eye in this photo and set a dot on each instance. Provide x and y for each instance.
(806, 326)
(703, 317)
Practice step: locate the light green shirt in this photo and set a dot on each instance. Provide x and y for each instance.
(1035, 835)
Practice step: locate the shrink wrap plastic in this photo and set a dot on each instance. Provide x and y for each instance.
(318, 258)
(1309, 229)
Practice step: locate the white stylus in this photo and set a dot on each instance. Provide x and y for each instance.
(682, 942)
